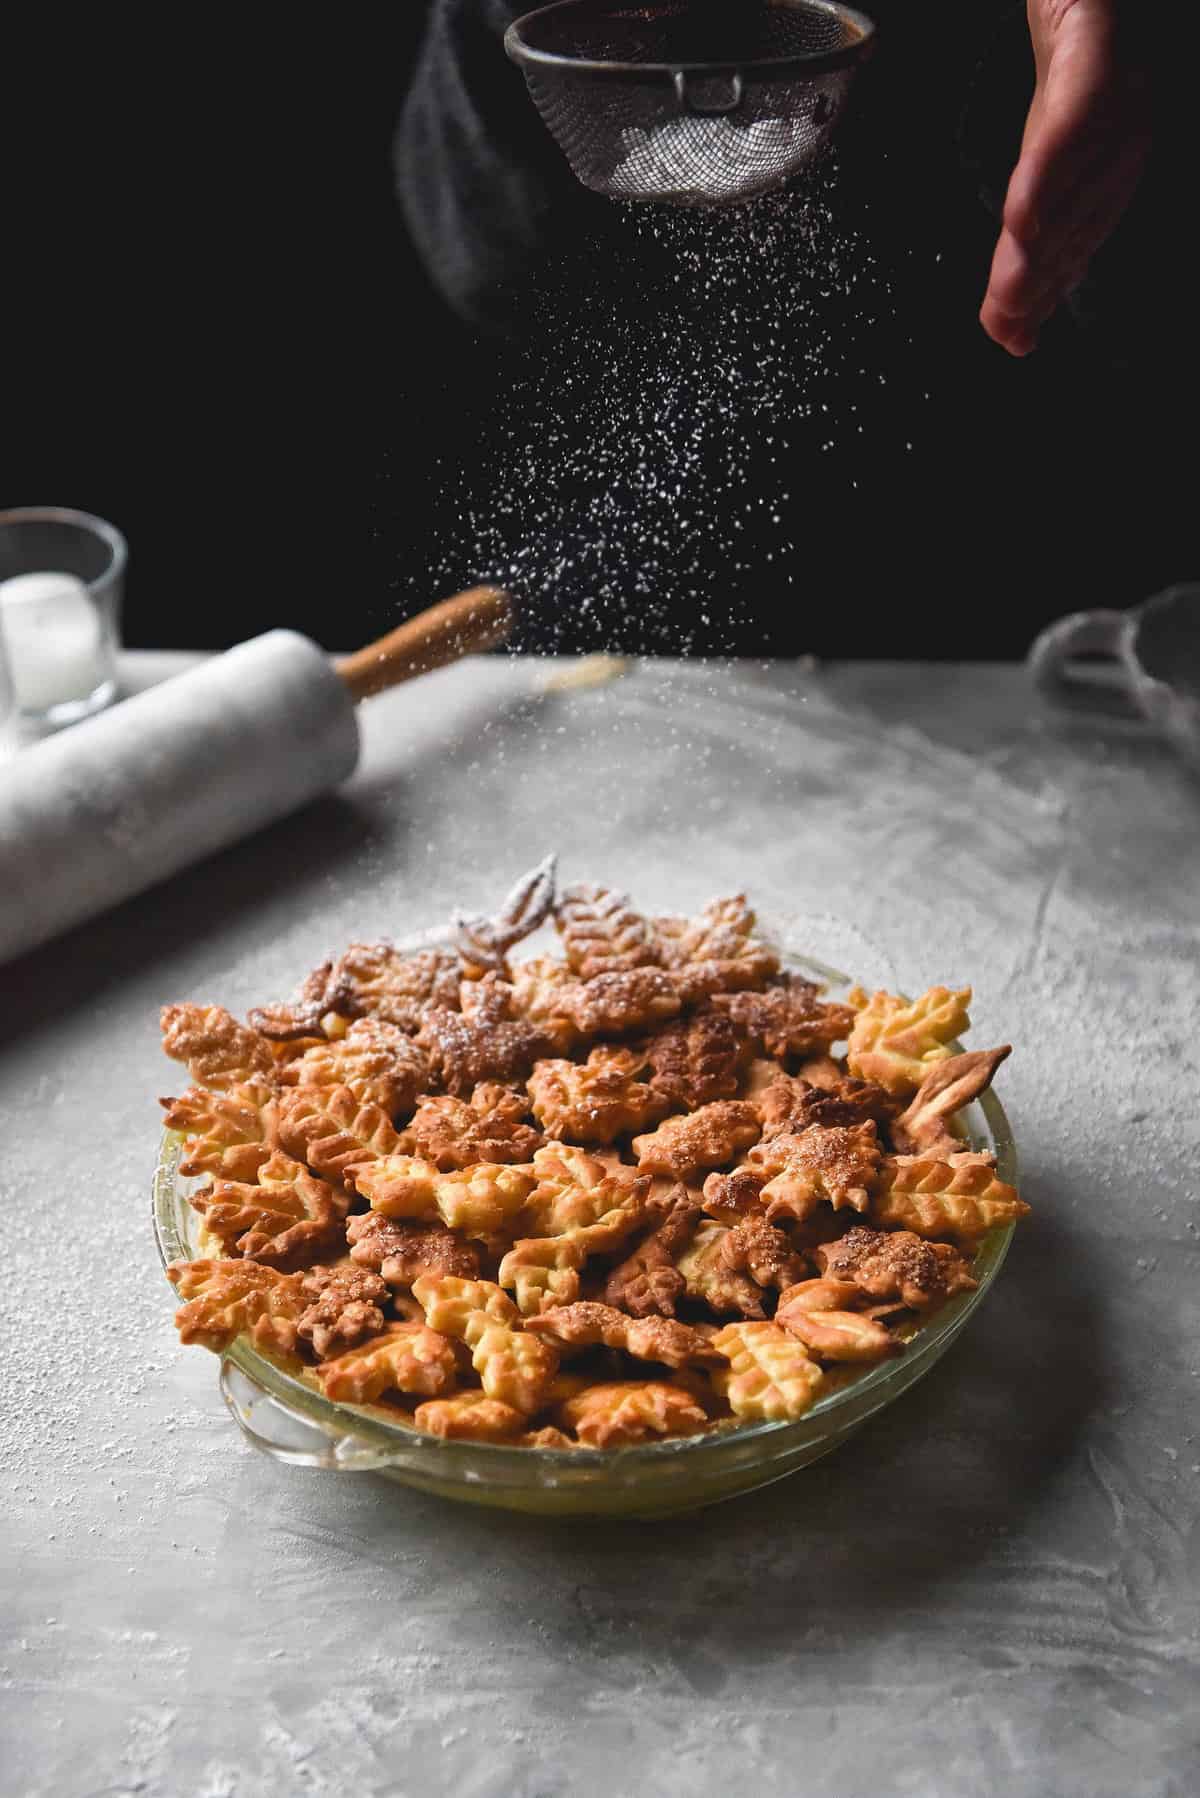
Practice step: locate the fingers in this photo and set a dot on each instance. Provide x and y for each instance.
(1032, 274)
(1083, 150)
(1013, 311)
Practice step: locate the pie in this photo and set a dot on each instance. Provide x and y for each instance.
(654, 1184)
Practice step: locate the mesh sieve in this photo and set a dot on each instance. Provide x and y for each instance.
(696, 102)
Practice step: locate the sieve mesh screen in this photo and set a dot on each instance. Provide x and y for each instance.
(695, 102)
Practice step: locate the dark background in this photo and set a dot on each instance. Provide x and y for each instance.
(218, 334)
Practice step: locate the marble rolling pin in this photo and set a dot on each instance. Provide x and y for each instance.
(106, 809)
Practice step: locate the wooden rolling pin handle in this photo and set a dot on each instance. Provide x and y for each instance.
(472, 621)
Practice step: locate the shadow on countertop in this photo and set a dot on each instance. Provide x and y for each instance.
(76, 970)
(924, 1497)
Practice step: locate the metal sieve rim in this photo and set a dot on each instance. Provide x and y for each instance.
(812, 63)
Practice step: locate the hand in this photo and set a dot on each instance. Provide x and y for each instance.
(1085, 145)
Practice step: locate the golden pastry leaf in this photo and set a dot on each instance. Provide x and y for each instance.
(513, 1366)
(597, 1100)
(771, 1377)
(229, 1133)
(470, 1417)
(708, 1276)
(684, 1146)
(587, 1323)
(407, 1357)
(376, 1060)
(922, 1129)
(225, 1298)
(480, 1201)
(287, 1218)
(824, 1161)
(958, 1196)
(601, 932)
(458, 1133)
(622, 1413)
(895, 1265)
(894, 1041)
(219, 1051)
(330, 1129)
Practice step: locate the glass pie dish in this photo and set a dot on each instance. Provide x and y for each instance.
(289, 1418)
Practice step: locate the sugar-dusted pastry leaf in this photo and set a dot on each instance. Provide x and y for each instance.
(959, 1196)
(597, 1100)
(219, 1052)
(343, 1307)
(539, 989)
(484, 942)
(487, 999)
(621, 1413)
(471, 1417)
(695, 1060)
(401, 1252)
(587, 1324)
(823, 1162)
(755, 1247)
(287, 1218)
(791, 1102)
(684, 1146)
(922, 1129)
(647, 1282)
(895, 1042)
(230, 1134)
(407, 1357)
(368, 980)
(895, 1265)
(512, 1366)
(377, 1062)
(615, 1004)
(396, 986)
(771, 1377)
(708, 1276)
(226, 1298)
(323, 999)
(731, 1197)
(787, 1018)
(491, 1126)
(464, 1051)
(602, 933)
(330, 1129)
(716, 952)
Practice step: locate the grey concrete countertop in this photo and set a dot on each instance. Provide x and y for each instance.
(992, 1589)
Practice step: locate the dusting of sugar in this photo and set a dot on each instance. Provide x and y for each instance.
(650, 454)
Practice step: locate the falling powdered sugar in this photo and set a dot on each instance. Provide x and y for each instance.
(648, 457)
